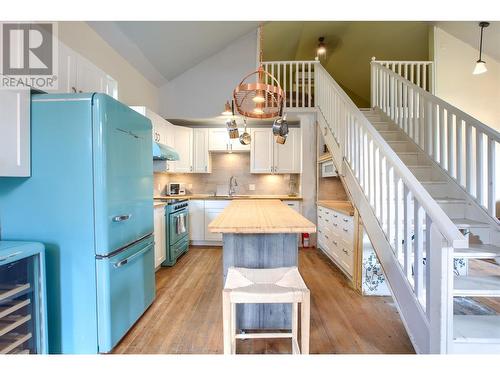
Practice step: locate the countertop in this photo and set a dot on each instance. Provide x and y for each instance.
(226, 197)
(157, 204)
(345, 207)
(260, 216)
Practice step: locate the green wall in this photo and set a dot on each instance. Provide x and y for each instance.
(350, 47)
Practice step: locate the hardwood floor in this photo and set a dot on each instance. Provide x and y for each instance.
(186, 316)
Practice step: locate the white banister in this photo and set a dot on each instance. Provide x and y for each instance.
(464, 147)
(403, 209)
(296, 78)
(420, 73)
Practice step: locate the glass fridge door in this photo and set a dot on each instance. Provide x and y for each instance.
(20, 312)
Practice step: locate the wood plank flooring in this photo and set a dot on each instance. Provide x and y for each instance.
(186, 316)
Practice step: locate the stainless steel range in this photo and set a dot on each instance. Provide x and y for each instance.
(177, 230)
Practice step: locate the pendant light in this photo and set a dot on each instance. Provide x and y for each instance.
(227, 110)
(480, 67)
(259, 94)
(321, 50)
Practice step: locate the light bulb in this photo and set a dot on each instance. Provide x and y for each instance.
(321, 50)
(259, 97)
(480, 67)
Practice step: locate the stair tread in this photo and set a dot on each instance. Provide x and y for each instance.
(477, 286)
(449, 200)
(468, 223)
(478, 251)
(476, 328)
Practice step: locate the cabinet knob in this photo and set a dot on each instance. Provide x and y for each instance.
(73, 88)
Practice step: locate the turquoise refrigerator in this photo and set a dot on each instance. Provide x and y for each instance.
(89, 200)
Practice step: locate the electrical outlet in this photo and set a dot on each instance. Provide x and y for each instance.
(251, 187)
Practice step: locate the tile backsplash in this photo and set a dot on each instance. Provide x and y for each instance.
(224, 166)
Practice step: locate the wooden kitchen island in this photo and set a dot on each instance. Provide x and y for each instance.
(260, 234)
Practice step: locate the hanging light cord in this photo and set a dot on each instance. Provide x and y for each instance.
(481, 43)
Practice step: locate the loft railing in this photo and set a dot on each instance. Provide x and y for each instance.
(464, 147)
(296, 79)
(420, 73)
(397, 210)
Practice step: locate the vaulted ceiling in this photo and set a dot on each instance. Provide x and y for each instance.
(162, 50)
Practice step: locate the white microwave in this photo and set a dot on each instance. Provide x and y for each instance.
(176, 188)
(328, 169)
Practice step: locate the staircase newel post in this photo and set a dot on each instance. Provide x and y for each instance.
(373, 87)
(439, 290)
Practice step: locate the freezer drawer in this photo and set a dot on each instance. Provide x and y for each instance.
(125, 289)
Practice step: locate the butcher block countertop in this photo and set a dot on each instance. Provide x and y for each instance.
(227, 197)
(345, 207)
(260, 216)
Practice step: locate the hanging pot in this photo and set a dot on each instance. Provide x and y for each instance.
(284, 126)
(277, 122)
(245, 138)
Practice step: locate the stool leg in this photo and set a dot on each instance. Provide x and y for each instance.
(295, 328)
(226, 321)
(305, 311)
(233, 328)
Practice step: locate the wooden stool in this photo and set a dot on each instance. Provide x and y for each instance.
(268, 285)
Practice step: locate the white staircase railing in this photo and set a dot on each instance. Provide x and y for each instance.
(296, 79)
(403, 222)
(420, 73)
(463, 146)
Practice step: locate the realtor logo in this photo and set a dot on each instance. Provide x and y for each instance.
(29, 57)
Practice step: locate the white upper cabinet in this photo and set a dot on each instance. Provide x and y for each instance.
(267, 156)
(235, 144)
(201, 157)
(77, 74)
(183, 144)
(287, 157)
(15, 133)
(218, 139)
(261, 153)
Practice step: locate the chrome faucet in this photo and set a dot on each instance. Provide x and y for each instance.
(232, 185)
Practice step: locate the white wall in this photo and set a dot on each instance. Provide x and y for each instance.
(477, 95)
(201, 91)
(133, 88)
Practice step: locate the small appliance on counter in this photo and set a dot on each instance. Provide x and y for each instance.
(176, 188)
(177, 230)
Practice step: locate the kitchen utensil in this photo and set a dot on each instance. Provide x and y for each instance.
(245, 138)
(284, 126)
(232, 129)
(277, 122)
(281, 139)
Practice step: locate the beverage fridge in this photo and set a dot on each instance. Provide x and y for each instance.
(23, 312)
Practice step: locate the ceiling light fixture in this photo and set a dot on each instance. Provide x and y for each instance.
(259, 94)
(321, 50)
(227, 110)
(480, 67)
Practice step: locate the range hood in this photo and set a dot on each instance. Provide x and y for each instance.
(164, 152)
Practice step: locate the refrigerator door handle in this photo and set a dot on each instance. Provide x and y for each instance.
(132, 257)
(119, 218)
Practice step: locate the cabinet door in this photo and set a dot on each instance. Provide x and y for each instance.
(183, 143)
(218, 139)
(294, 205)
(287, 157)
(210, 215)
(15, 133)
(160, 236)
(261, 151)
(89, 78)
(235, 144)
(201, 158)
(67, 69)
(196, 220)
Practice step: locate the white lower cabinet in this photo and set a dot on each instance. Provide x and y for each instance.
(201, 213)
(294, 204)
(197, 220)
(336, 237)
(160, 235)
